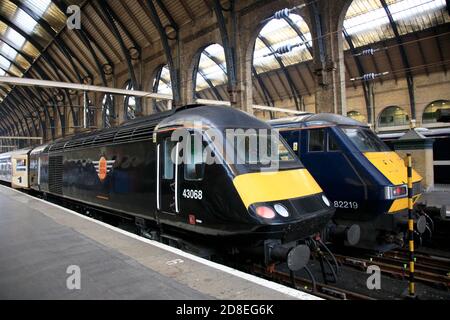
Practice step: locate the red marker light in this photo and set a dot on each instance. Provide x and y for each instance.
(398, 191)
(192, 219)
(265, 212)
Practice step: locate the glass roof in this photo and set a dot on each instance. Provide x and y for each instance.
(8, 51)
(38, 6)
(12, 42)
(164, 85)
(24, 21)
(212, 66)
(4, 63)
(367, 22)
(276, 34)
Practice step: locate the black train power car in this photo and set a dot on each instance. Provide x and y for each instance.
(244, 206)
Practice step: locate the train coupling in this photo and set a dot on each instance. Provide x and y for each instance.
(296, 256)
(339, 233)
(420, 223)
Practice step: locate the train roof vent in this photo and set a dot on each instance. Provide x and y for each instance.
(88, 140)
(124, 135)
(144, 132)
(104, 138)
(57, 147)
(74, 144)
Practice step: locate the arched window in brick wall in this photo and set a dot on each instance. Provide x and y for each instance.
(161, 84)
(211, 74)
(430, 112)
(129, 104)
(393, 116)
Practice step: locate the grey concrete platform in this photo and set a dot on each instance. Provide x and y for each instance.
(39, 241)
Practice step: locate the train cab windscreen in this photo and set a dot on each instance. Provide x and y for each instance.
(263, 150)
(365, 140)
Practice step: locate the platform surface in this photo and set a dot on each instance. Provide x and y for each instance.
(40, 241)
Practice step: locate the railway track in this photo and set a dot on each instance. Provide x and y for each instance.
(391, 263)
(431, 270)
(321, 290)
(425, 257)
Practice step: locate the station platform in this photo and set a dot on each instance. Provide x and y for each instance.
(41, 242)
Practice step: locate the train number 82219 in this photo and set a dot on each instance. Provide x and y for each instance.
(346, 204)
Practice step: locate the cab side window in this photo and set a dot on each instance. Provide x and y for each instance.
(293, 139)
(21, 165)
(194, 167)
(332, 144)
(168, 163)
(317, 140)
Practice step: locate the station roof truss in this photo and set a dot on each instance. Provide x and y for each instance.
(411, 37)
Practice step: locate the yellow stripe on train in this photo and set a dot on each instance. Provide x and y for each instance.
(274, 186)
(391, 166)
(402, 204)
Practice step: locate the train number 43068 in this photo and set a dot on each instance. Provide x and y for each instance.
(346, 204)
(193, 194)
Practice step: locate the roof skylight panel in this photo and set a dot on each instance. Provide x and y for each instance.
(215, 50)
(273, 26)
(4, 63)
(164, 88)
(407, 8)
(213, 72)
(8, 51)
(17, 39)
(25, 21)
(38, 6)
(366, 21)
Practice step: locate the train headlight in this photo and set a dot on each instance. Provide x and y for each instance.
(325, 199)
(265, 212)
(394, 192)
(281, 210)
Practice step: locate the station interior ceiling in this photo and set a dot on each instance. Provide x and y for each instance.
(389, 40)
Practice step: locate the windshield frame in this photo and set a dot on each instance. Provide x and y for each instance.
(228, 151)
(378, 145)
